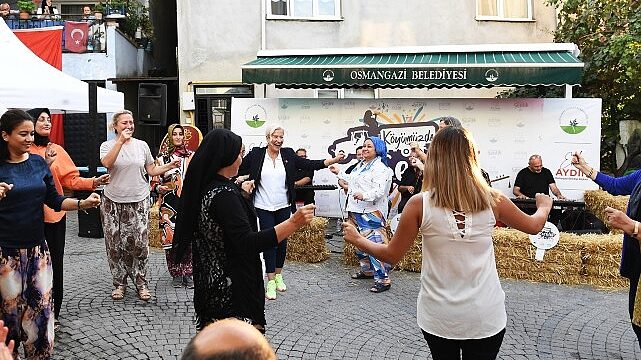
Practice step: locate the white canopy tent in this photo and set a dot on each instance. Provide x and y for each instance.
(29, 82)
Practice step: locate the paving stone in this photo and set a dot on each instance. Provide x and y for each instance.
(326, 315)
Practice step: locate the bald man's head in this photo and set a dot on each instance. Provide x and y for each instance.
(229, 339)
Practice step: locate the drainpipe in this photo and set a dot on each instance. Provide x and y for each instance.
(262, 24)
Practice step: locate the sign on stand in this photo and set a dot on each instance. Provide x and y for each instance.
(546, 239)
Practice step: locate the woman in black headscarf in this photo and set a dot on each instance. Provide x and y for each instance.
(220, 225)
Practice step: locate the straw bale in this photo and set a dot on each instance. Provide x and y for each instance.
(597, 200)
(587, 259)
(308, 244)
(153, 227)
(349, 254)
(413, 259)
(577, 260)
(602, 256)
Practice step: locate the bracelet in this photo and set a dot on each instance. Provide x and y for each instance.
(636, 229)
(591, 172)
(79, 209)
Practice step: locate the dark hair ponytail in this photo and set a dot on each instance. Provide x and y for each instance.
(8, 122)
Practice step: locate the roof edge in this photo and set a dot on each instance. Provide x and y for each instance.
(570, 47)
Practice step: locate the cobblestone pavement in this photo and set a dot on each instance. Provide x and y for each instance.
(326, 315)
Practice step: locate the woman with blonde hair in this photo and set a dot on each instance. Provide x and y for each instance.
(461, 305)
(125, 205)
(273, 169)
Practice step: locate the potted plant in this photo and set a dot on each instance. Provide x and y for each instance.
(98, 10)
(26, 7)
(137, 25)
(116, 7)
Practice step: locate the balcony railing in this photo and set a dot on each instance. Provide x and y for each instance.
(95, 31)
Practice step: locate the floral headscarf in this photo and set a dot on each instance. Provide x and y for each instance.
(172, 149)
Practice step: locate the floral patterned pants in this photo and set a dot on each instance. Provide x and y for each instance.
(26, 280)
(126, 240)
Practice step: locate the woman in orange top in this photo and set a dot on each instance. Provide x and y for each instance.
(65, 175)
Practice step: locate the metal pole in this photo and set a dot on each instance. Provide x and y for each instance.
(93, 118)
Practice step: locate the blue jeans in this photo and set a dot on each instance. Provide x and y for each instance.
(274, 257)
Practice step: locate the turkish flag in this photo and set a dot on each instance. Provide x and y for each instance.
(76, 33)
(46, 43)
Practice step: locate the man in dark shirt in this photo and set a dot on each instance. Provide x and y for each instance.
(535, 179)
(304, 177)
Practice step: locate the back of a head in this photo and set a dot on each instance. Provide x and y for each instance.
(451, 121)
(452, 173)
(219, 148)
(229, 339)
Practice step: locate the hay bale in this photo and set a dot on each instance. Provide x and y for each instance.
(597, 200)
(308, 244)
(515, 258)
(602, 256)
(153, 227)
(349, 254)
(413, 259)
(577, 259)
(410, 262)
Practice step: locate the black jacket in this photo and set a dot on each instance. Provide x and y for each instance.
(253, 166)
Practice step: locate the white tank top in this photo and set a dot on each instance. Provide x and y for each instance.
(460, 296)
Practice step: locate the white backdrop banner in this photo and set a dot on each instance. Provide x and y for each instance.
(507, 132)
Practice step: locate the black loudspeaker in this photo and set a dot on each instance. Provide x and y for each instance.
(77, 130)
(582, 222)
(89, 223)
(152, 103)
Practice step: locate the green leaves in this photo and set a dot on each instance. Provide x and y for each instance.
(608, 33)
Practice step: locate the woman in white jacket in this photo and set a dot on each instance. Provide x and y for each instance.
(368, 186)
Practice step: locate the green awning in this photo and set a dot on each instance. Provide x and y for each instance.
(417, 69)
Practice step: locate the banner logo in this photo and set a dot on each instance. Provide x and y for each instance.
(328, 75)
(491, 75)
(397, 137)
(573, 120)
(255, 116)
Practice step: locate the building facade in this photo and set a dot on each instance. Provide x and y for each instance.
(215, 38)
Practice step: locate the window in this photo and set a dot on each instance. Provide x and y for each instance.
(506, 10)
(347, 93)
(313, 9)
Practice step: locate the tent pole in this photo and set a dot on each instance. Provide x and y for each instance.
(93, 118)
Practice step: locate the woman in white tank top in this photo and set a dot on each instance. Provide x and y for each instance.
(461, 305)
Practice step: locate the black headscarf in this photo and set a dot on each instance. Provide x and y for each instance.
(220, 148)
(35, 114)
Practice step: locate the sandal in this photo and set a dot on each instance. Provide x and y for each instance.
(380, 287)
(143, 294)
(118, 293)
(362, 275)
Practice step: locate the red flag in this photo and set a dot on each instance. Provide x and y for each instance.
(46, 43)
(76, 33)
